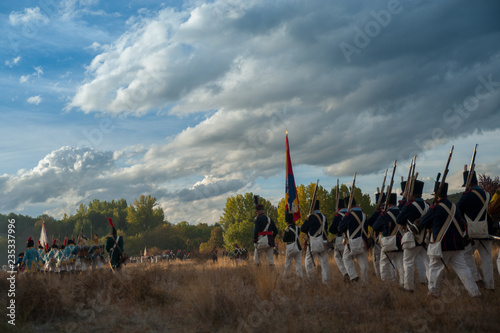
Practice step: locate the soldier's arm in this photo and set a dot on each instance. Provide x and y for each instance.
(371, 220)
(305, 226)
(256, 231)
(378, 225)
(344, 223)
(462, 203)
(402, 218)
(274, 229)
(334, 226)
(426, 220)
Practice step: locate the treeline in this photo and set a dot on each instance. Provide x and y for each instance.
(142, 223)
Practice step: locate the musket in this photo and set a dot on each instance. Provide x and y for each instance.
(471, 169)
(382, 193)
(411, 182)
(313, 200)
(389, 189)
(445, 173)
(408, 179)
(349, 206)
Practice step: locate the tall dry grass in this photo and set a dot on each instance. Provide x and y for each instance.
(198, 296)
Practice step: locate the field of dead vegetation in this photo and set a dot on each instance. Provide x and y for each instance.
(199, 296)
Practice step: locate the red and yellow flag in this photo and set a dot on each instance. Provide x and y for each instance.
(291, 198)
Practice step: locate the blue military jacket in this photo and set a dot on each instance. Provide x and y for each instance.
(260, 224)
(312, 224)
(334, 227)
(386, 224)
(471, 205)
(349, 222)
(436, 217)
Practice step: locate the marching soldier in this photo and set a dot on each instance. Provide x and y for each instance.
(264, 233)
(353, 224)
(214, 254)
(473, 205)
(411, 213)
(447, 232)
(244, 252)
(391, 258)
(69, 256)
(338, 251)
(51, 257)
(237, 252)
(316, 225)
(114, 246)
(31, 259)
(293, 248)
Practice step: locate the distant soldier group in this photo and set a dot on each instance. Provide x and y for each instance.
(73, 256)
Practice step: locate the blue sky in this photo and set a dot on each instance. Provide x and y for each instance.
(189, 101)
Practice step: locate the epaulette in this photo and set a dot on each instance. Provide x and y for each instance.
(409, 203)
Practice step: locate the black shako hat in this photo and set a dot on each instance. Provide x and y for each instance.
(377, 196)
(473, 180)
(444, 190)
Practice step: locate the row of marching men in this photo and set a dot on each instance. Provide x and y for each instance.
(67, 257)
(406, 235)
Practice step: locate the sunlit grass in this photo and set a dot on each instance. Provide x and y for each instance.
(228, 296)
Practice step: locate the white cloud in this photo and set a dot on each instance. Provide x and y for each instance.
(28, 16)
(24, 78)
(34, 100)
(13, 62)
(37, 73)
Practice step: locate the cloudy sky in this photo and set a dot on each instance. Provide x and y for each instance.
(189, 100)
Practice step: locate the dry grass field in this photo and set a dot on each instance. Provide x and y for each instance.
(198, 296)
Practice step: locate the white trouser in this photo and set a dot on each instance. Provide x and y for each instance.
(376, 259)
(362, 260)
(323, 260)
(471, 262)
(391, 265)
(268, 252)
(456, 260)
(298, 264)
(483, 247)
(416, 256)
(339, 261)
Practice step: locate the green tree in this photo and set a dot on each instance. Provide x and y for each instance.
(143, 214)
(216, 240)
(238, 216)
